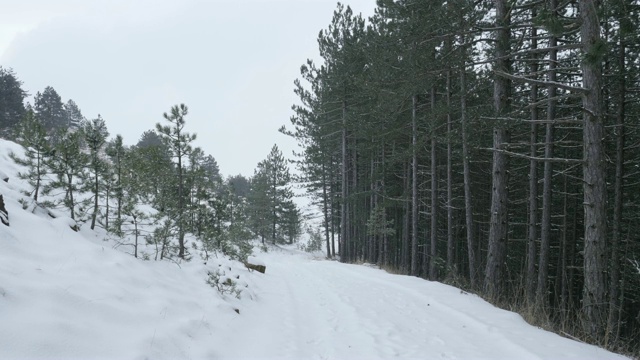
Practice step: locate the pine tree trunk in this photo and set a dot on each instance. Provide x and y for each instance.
(613, 325)
(542, 298)
(385, 240)
(120, 195)
(180, 205)
(414, 188)
(451, 246)
(274, 215)
(135, 247)
(434, 197)
(577, 231)
(353, 253)
(372, 205)
(532, 233)
(325, 209)
(70, 194)
(497, 254)
(332, 192)
(38, 171)
(466, 171)
(434, 212)
(106, 203)
(344, 218)
(594, 175)
(564, 289)
(408, 205)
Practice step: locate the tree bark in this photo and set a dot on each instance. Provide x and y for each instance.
(496, 258)
(497, 254)
(344, 218)
(414, 189)
(70, 195)
(95, 200)
(451, 246)
(325, 209)
(408, 206)
(615, 300)
(594, 175)
(532, 233)
(353, 240)
(466, 171)
(372, 205)
(180, 205)
(433, 255)
(564, 289)
(334, 180)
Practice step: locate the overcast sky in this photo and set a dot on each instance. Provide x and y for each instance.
(232, 63)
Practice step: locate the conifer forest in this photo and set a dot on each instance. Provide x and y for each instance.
(164, 192)
(492, 145)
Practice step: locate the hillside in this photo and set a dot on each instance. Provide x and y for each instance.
(71, 295)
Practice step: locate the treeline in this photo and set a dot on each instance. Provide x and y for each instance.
(162, 192)
(492, 145)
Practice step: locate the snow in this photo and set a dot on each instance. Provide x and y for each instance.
(71, 295)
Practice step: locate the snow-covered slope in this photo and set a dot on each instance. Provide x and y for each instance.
(68, 295)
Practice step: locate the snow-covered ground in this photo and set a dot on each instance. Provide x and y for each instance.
(68, 295)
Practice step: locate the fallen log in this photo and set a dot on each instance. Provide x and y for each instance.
(4, 214)
(257, 267)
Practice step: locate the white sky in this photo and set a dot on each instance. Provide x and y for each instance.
(232, 63)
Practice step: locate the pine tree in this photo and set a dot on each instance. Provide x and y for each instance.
(238, 185)
(291, 221)
(211, 170)
(131, 168)
(179, 143)
(73, 115)
(95, 136)
(12, 108)
(50, 110)
(259, 204)
(272, 213)
(594, 171)
(150, 138)
(151, 170)
(68, 162)
(117, 154)
(32, 136)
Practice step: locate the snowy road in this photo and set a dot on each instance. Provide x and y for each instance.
(313, 309)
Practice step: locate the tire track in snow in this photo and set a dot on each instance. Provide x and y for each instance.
(327, 310)
(404, 298)
(327, 325)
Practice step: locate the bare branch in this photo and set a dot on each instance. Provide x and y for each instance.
(535, 158)
(541, 82)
